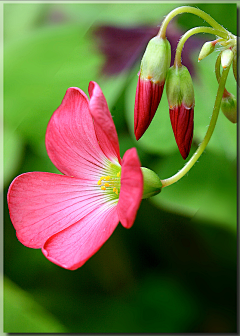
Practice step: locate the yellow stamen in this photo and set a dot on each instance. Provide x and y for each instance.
(118, 174)
(107, 185)
(116, 192)
(103, 188)
(114, 189)
(107, 178)
(99, 182)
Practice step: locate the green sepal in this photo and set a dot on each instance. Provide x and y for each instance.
(179, 87)
(152, 184)
(156, 60)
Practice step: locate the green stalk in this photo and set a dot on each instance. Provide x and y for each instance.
(201, 148)
(191, 32)
(192, 10)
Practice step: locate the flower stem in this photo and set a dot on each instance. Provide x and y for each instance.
(192, 10)
(191, 32)
(208, 135)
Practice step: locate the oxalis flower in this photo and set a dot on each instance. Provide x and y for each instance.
(71, 216)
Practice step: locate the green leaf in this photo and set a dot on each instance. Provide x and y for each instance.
(23, 315)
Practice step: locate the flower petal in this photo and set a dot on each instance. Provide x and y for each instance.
(103, 122)
(42, 204)
(131, 188)
(71, 140)
(72, 247)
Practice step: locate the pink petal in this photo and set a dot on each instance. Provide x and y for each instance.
(71, 140)
(131, 188)
(42, 204)
(72, 247)
(103, 122)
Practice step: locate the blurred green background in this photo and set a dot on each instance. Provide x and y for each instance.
(175, 270)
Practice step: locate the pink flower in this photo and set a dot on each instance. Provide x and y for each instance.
(71, 216)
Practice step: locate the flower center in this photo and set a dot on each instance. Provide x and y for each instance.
(111, 182)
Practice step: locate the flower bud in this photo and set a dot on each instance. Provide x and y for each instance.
(152, 184)
(229, 106)
(226, 58)
(206, 50)
(180, 94)
(154, 66)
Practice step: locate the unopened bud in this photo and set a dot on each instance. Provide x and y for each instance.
(153, 70)
(226, 58)
(180, 94)
(206, 50)
(152, 184)
(229, 107)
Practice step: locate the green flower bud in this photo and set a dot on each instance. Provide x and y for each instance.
(229, 107)
(156, 60)
(152, 184)
(226, 58)
(206, 50)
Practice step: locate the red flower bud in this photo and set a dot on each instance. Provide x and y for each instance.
(154, 66)
(148, 96)
(181, 102)
(182, 125)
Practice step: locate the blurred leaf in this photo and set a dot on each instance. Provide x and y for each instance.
(118, 13)
(156, 305)
(21, 18)
(208, 191)
(23, 315)
(12, 154)
(37, 72)
(217, 11)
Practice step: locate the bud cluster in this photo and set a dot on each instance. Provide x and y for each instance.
(155, 72)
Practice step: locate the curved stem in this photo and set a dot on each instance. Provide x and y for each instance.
(191, 10)
(191, 32)
(207, 137)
